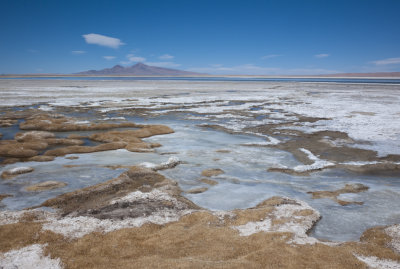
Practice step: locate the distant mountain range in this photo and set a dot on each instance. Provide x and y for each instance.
(376, 75)
(139, 69)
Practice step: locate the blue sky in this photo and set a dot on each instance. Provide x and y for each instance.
(216, 37)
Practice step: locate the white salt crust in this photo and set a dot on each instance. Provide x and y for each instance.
(317, 165)
(172, 162)
(75, 227)
(298, 225)
(394, 232)
(30, 257)
(375, 262)
(79, 226)
(19, 170)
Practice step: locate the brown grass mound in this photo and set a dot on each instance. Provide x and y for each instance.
(212, 172)
(41, 158)
(132, 136)
(7, 122)
(28, 145)
(197, 190)
(116, 136)
(10, 173)
(209, 181)
(33, 135)
(142, 147)
(348, 188)
(92, 199)
(85, 149)
(72, 157)
(64, 141)
(198, 240)
(151, 130)
(2, 196)
(384, 169)
(47, 185)
(13, 149)
(64, 124)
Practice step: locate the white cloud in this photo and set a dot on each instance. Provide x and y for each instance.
(251, 69)
(166, 57)
(387, 61)
(322, 55)
(216, 65)
(109, 58)
(76, 52)
(131, 58)
(163, 64)
(134, 58)
(103, 40)
(270, 56)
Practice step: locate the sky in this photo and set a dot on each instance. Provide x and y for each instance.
(279, 37)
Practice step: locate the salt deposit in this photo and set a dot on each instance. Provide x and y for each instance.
(368, 113)
(16, 171)
(75, 227)
(317, 165)
(28, 257)
(292, 222)
(171, 163)
(394, 232)
(376, 263)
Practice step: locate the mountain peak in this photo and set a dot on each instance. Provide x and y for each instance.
(138, 69)
(140, 64)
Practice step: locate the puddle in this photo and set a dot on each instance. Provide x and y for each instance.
(85, 171)
(262, 117)
(9, 132)
(246, 181)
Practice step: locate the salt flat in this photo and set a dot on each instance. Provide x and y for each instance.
(330, 149)
(368, 112)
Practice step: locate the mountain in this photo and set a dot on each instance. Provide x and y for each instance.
(366, 75)
(139, 69)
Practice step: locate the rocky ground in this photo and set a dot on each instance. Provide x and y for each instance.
(141, 219)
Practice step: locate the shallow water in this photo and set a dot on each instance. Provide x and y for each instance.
(244, 184)
(246, 181)
(88, 170)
